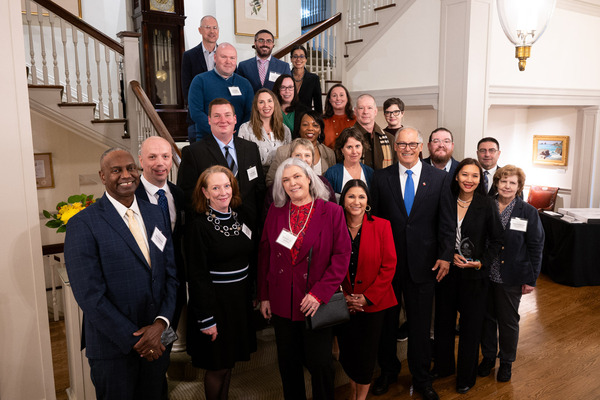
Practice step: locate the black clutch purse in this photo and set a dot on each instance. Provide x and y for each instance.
(333, 313)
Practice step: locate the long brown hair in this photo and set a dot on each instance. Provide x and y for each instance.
(276, 118)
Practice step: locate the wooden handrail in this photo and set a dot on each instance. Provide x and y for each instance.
(328, 23)
(80, 24)
(158, 124)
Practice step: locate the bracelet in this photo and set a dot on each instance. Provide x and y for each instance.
(478, 268)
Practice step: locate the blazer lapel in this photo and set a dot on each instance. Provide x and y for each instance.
(215, 151)
(422, 187)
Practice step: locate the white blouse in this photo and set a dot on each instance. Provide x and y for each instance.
(268, 145)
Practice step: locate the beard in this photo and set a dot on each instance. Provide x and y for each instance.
(439, 159)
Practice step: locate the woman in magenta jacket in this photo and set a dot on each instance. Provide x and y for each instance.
(301, 222)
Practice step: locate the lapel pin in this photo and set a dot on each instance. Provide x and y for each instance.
(424, 183)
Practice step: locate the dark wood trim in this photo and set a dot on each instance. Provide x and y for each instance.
(384, 7)
(354, 41)
(367, 25)
(55, 248)
(76, 104)
(309, 35)
(109, 121)
(80, 24)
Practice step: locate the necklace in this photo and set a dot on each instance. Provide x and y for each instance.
(305, 221)
(356, 226)
(298, 79)
(461, 206)
(225, 230)
(458, 199)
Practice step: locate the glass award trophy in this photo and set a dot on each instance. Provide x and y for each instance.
(466, 249)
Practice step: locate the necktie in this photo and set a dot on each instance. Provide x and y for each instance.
(138, 235)
(163, 203)
(486, 181)
(262, 70)
(230, 161)
(409, 192)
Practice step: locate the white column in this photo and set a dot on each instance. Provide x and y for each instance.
(586, 188)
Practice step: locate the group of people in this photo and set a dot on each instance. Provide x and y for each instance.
(278, 206)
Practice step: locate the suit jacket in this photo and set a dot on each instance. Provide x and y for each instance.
(335, 176)
(376, 265)
(192, 64)
(280, 281)
(177, 236)
(521, 254)
(428, 234)
(201, 155)
(310, 92)
(452, 166)
(249, 70)
(112, 282)
(374, 157)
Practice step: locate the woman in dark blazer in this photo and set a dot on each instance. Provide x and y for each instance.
(513, 273)
(292, 110)
(300, 222)
(464, 289)
(308, 84)
(367, 287)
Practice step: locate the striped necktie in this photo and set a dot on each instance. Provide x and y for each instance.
(262, 70)
(230, 161)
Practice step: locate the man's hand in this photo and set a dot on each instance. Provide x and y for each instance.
(212, 332)
(526, 289)
(442, 267)
(149, 345)
(265, 309)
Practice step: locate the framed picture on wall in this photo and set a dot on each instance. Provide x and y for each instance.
(72, 6)
(550, 150)
(44, 176)
(253, 15)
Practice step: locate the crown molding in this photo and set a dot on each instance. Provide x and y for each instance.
(415, 97)
(540, 96)
(588, 7)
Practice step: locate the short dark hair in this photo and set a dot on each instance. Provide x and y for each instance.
(356, 183)
(299, 47)
(391, 101)
(263, 31)
(441, 128)
(217, 102)
(454, 184)
(488, 139)
(346, 134)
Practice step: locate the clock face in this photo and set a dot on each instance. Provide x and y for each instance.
(162, 5)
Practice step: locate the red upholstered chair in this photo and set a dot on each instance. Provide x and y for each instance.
(542, 197)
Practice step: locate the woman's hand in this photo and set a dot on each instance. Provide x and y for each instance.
(265, 309)
(356, 302)
(309, 305)
(462, 262)
(526, 289)
(212, 332)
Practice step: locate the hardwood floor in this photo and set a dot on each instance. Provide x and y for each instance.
(558, 355)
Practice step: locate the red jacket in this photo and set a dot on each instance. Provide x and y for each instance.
(376, 265)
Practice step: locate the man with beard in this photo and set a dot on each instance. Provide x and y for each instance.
(263, 70)
(441, 147)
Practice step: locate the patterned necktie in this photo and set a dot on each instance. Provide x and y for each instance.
(262, 70)
(230, 161)
(163, 203)
(409, 192)
(486, 181)
(138, 235)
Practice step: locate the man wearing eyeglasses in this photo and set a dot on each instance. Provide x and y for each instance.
(198, 60)
(263, 70)
(441, 147)
(488, 153)
(416, 198)
(393, 111)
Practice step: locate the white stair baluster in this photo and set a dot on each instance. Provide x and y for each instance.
(40, 16)
(54, 54)
(108, 84)
(86, 42)
(100, 103)
(33, 71)
(76, 54)
(63, 32)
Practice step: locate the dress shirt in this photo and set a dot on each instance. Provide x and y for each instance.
(416, 176)
(153, 198)
(232, 151)
(209, 57)
(446, 167)
(490, 177)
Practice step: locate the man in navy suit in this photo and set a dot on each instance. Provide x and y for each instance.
(119, 257)
(156, 160)
(441, 147)
(488, 153)
(416, 199)
(263, 70)
(198, 60)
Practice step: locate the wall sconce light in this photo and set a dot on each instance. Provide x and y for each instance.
(523, 22)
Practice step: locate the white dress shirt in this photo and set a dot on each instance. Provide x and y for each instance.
(153, 197)
(416, 169)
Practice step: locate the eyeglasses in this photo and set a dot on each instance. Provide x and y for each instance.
(395, 113)
(213, 28)
(263, 41)
(491, 151)
(300, 57)
(439, 141)
(412, 145)
(286, 88)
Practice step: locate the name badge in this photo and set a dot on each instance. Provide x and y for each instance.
(273, 76)
(286, 239)
(252, 173)
(235, 91)
(247, 231)
(159, 239)
(518, 224)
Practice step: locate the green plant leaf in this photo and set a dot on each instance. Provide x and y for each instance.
(59, 205)
(54, 223)
(61, 229)
(90, 197)
(47, 214)
(76, 198)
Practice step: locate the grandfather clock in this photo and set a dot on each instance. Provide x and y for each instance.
(161, 24)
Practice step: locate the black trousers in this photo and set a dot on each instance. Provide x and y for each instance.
(298, 347)
(501, 324)
(387, 353)
(468, 297)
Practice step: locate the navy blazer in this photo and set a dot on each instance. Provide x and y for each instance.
(335, 175)
(111, 280)
(249, 70)
(452, 166)
(428, 234)
(521, 255)
(192, 64)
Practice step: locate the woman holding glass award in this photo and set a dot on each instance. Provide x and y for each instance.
(464, 289)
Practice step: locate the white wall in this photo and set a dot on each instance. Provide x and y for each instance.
(108, 16)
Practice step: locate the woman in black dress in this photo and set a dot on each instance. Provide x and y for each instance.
(308, 84)
(220, 330)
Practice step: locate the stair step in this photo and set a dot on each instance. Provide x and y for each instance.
(367, 25)
(354, 41)
(77, 104)
(332, 81)
(384, 7)
(109, 121)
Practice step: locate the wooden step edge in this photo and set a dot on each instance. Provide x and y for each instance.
(354, 41)
(384, 7)
(332, 81)
(45, 86)
(76, 104)
(368, 25)
(346, 56)
(109, 121)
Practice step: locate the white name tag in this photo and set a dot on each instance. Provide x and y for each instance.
(247, 231)
(159, 239)
(273, 76)
(286, 239)
(518, 224)
(252, 173)
(235, 91)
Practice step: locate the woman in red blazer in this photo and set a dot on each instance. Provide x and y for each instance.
(367, 286)
(300, 220)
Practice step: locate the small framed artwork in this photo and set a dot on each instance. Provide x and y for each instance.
(44, 176)
(72, 6)
(253, 15)
(550, 150)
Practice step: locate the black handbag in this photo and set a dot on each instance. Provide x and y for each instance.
(333, 313)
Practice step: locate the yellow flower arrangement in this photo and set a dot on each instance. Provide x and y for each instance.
(65, 211)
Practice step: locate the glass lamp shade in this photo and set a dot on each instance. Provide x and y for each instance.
(524, 22)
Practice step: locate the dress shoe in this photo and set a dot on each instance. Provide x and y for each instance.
(485, 368)
(504, 372)
(463, 389)
(402, 334)
(382, 384)
(435, 374)
(428, 393)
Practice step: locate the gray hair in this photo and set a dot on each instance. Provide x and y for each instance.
(405, 128)
(302, 142)
(316, 188)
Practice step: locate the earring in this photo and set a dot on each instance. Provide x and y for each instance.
(368, 208)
